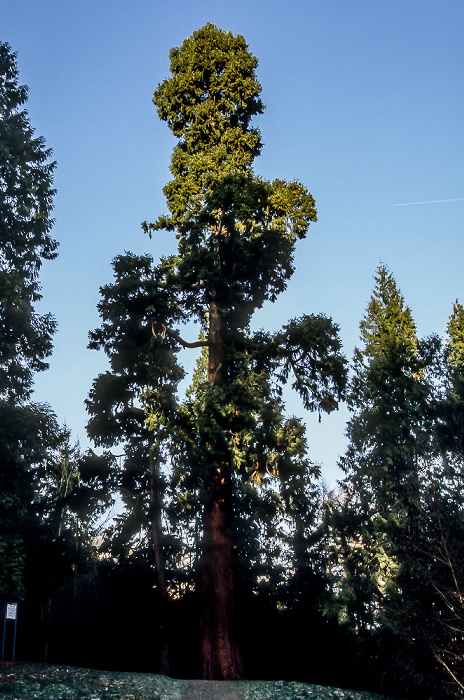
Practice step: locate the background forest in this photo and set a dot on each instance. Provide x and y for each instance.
(359, 586)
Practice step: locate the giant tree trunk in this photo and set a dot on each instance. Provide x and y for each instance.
(220, 657)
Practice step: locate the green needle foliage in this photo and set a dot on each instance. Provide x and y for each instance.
(455, 344)
(450, 424)
(388, 399)
(382, 526)
(26, 198)
(440, 548)
(25, 434)
(388, 435)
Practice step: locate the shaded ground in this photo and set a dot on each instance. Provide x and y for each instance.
(23, 681)
(211, 690)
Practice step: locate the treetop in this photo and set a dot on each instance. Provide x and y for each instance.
(387, 320)
(455, 330)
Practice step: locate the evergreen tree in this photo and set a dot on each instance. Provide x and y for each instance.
(450, 423)
(387, 397)
(389, 433)
(140, 362)
(237, 234)
(455, 342)
(26, 197)
(440, 547)
(26, 433)
(73, 490)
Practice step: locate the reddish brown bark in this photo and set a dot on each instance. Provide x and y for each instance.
(220, 657)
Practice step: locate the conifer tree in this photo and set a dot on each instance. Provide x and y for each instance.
(26, 198)
(455, 330)
(389, 435)
(141, 361)
(450, 424)
(236, 236)
(387, 398)
(397, 526)
(440, 548)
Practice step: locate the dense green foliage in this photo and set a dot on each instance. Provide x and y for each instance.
(396, 527)
(26, 196)
(49, 492)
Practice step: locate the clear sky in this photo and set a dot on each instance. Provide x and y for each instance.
(364, 105)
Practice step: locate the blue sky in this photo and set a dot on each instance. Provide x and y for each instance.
(364, 105)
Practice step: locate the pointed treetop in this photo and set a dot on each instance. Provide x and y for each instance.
(455, 342)
(387, 320)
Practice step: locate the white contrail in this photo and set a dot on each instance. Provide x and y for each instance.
(430, 201)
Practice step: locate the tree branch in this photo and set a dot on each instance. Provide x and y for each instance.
(173, 334)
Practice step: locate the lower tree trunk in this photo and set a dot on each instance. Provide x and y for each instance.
(220, 657)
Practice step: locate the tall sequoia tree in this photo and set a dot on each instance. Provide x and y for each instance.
(236, 236)
(26, 198)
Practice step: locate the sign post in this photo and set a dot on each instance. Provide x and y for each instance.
(11, 613)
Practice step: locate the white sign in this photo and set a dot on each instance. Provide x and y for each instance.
(11, 609)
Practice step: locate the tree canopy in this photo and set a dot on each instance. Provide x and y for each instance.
(26, 200)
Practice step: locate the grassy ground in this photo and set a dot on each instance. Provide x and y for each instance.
(20, 681)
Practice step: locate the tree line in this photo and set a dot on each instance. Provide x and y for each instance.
(202, 524)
